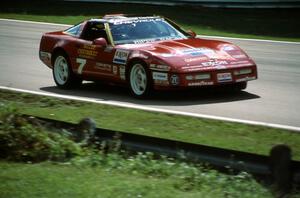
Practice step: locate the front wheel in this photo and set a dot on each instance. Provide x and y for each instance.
(240, 86)
(63, 74)
(139, 80)
(237, 87)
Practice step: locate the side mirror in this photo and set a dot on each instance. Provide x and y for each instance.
(192, 33)
(100, 41)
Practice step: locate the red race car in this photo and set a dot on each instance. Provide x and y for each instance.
(144, 53)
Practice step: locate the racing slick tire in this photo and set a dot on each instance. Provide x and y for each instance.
(139, 80)
(63, 74)
(240, 86)
(237, 87)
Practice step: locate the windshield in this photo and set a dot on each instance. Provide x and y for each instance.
(143, 31)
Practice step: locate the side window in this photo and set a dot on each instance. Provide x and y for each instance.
(94, 30)
(75, 30)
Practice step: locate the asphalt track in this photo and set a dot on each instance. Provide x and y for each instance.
(273, 98)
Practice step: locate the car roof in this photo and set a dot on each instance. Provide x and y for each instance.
(120, 18)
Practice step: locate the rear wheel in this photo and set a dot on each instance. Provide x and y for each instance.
(139, 80)
(63, 74)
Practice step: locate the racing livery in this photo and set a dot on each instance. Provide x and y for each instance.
(144, 53)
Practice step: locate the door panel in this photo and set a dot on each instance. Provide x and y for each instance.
(92, 60)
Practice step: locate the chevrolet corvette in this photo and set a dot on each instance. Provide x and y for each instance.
(144, 53)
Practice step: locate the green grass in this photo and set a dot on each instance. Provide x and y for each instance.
(61, 180)
(103, 172)
(46, 180)
(248, 138)
(275, 24)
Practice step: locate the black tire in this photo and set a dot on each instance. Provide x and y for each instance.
(139, 79)
(62, 72)
(240, 86)
(237, 87)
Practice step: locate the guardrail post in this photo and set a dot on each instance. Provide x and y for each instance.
(85, 130)
(281, 168)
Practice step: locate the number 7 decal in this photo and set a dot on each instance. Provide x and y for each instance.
(82, 63)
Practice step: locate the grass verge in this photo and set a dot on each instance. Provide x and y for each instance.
(62, 180)
(273, 24)
(103, 172)
(241, 137)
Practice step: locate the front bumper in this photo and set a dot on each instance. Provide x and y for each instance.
(164, 80)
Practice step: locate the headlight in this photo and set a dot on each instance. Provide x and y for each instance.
(198, 77)
(242, 71)
(174, 79)
(202, 76)
(189, 77)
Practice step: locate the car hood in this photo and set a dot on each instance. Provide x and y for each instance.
(194, 54)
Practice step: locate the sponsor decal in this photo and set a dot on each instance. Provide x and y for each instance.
(206, 52)
(246, 79)
(122, 72)
(198, 51)
(115, 70)
(46, 56)
(212, 63)
(121, 56)
(138, 19)
(103, 66)
(201, 83)
(87, 51)
(161, 82)
(141, 41)
(195, 68)
(224, 77)
(159, 76)
(174, 79)
(193, 59)
(201, 68)
(159, 67)
(82, 63)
